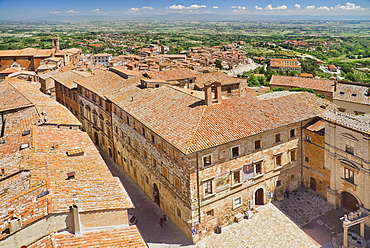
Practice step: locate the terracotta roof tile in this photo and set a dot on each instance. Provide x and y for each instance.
(56, 113)
(221, 77)
(168, 75)
(356, 93)
(309, 83)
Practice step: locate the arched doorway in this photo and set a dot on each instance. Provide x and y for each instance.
(156, 194)
(349, 201)
(258, 197)
(313, 183)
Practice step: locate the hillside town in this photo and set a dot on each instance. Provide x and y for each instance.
(210, 150)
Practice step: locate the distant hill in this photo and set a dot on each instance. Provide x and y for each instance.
(194, 17)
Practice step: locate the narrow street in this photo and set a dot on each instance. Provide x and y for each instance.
(148, 213)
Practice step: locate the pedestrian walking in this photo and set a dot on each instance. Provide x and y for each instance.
(165, 220)
(161, 222)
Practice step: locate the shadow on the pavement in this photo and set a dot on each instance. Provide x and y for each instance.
(147, 212)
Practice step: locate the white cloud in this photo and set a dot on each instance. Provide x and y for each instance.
(239, 7)
(310, 7)
(142, 8)
(269, 7)
(298, 6)
(258, 8)
(73, 11)
(193, 6)
(54, 12)
(95, 10)
(348, 6)
(215, 7)
(324, 8)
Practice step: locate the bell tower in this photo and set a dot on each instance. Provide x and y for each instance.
(55, 43)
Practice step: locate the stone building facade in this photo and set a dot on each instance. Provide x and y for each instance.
(316, 175)
(204, 161)
(348, 155)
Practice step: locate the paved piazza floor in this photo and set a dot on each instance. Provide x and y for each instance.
(268, 228)
(301, 221)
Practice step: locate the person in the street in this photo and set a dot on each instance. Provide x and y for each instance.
(164, 220)
(161, 222)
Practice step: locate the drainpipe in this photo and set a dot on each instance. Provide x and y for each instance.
(198, 186)
(302, 155)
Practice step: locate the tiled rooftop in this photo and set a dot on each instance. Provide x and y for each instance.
(168, 75)
(352, 93)
(116, 238)
(56, 113)
(361, 124)
(221, 77)
(166, 109)
(27, 52)
(68, 78)
(11, 98)
(309, 83)
(111, 81)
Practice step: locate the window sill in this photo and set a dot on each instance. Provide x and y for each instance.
(349, 182)
(236, 185)
(208, 196)
(258, 176)
(278, 168)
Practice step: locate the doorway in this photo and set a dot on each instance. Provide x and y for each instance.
(313, 183)
(258, 197)
(349, 201)
(156, 194)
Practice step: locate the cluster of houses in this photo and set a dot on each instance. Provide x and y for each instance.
(196, 143)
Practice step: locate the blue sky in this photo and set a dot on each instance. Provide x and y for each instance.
(41, 8)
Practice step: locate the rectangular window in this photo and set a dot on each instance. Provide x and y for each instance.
(207, 186)
(178, 213)
(145, 154)
(257, 144)
(306, 159)
(292, 133)
(349, 175)
(278, 161)
(207, 160)
(146, 179)
(165, 172)
(278, 183)
(153, 139)
(257, 168)
(359, 113)
(236, 177)
(293, 155)
(237, 202)
(308, 138)
(127, 120)
(143, 131)
(210, 212)
(350, 149)
(277, 137)
(177, 183)
(235, 151)
(154, 163)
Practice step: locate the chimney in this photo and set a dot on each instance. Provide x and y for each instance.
(76, 220)
(212, 93)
